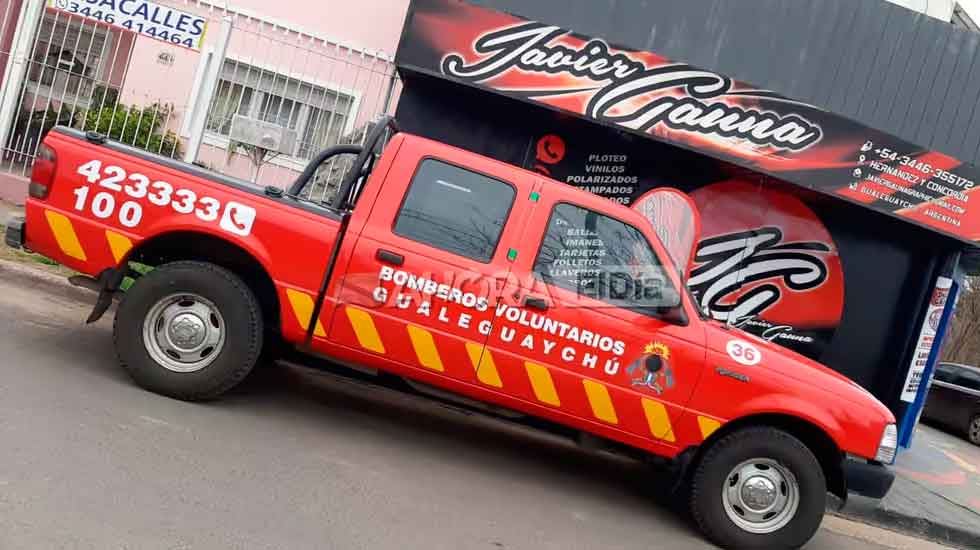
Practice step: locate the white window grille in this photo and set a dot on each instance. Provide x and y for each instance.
(321, 116)
(67, 60)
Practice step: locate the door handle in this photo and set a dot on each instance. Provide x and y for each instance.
(536, 303)
(390, 257)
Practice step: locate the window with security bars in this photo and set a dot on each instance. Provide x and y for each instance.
(319, 115)
(67, 59)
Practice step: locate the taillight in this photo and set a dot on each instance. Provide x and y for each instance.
(42, 176)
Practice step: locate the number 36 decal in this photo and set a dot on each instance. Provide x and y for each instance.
(136, 189)
(743, 352)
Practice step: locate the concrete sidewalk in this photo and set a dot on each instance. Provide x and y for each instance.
(13, 188)
(936, 492)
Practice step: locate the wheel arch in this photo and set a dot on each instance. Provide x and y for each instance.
(820, 443)
(182, 245)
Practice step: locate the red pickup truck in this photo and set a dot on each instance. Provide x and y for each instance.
(474, 281)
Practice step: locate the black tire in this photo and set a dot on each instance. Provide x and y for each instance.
(973, 430)
(242, 326)
(711, 478)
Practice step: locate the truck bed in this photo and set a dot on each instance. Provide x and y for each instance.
(195, 170)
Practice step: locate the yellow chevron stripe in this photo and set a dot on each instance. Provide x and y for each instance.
(542, 384)
(658, 420)
(364, 329)
(602, 406)
(64, 233)
(486, 369)
(119, 244)
(425, 348)
(708, 426)
(303, 309)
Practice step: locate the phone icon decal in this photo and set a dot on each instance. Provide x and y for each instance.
(238, 219)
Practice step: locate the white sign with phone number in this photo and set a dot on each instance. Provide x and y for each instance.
(115, 183)
(927, 339)
(142, 17)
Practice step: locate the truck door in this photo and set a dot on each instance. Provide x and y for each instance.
(425, 274)
(585, 335)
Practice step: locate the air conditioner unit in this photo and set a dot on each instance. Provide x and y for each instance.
(260, 133)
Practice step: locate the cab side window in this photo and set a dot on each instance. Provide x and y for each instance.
(603, 258)
(455, 210)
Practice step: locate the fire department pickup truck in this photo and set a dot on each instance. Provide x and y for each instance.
(473, 281)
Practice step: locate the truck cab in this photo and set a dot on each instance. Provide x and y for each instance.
(470, 277)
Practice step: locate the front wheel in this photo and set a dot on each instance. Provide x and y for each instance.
(188, 330)
(758, 488)
(973, 431)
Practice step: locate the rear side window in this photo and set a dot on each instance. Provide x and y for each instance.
(455, 210)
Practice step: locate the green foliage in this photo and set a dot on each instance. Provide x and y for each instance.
(44, 260)
(128, 281)
(139, 127)
(142, 269)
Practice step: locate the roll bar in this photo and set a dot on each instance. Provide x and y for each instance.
(363, 152)
(297, 187)
(342, 200)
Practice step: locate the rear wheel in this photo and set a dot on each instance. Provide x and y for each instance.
(189, 330)
(973, 433)
(758, 488)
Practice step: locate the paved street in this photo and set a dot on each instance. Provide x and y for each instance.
(294, 460)
(946, 463)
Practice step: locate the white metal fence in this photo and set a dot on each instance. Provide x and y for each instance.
(307, 92)
(76, 71)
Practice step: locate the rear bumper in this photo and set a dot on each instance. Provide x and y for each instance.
(14, 236)
(867, 478)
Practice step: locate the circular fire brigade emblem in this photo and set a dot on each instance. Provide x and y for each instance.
(652, 370)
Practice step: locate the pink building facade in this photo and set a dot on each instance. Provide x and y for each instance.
(320, 71)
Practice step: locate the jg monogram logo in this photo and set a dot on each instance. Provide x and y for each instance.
(728, 262)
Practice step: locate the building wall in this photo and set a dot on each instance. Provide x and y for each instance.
(344, 46)
(343, 50)
(940, 9)
(369, 26)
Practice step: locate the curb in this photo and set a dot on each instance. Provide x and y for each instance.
(35, 277)
(911, 525)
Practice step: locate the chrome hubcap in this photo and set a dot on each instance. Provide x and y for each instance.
(761, 496)
(758, 493)
(187, 331)
(975, 431)
(184, 332)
